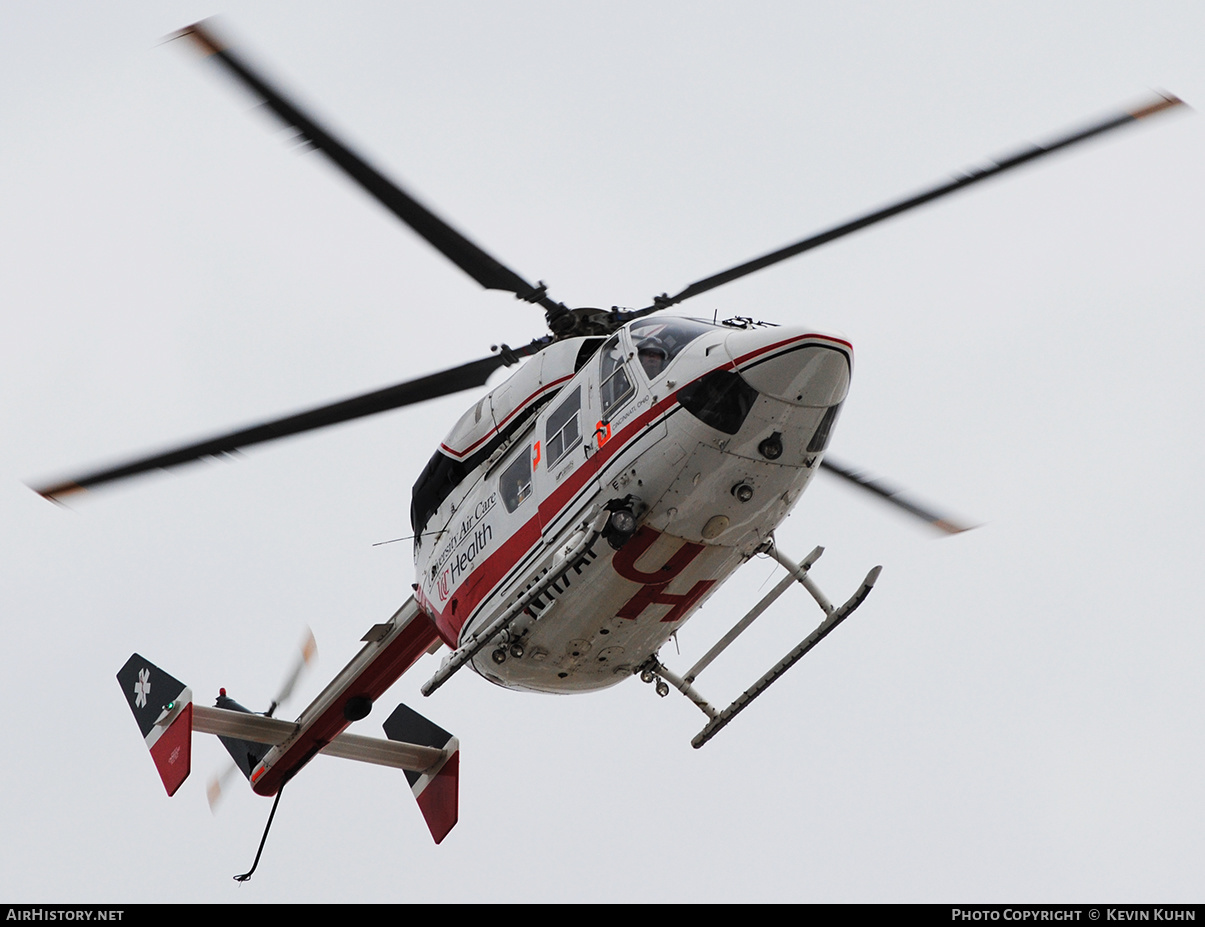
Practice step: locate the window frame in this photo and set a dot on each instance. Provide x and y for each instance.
(609, 405)
(574, 399)
(522, 490)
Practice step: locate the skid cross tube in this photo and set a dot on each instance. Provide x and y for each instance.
(833, 619)
(833, 616)
(767, 600)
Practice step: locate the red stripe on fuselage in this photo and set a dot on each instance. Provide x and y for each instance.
(773, 347)
(483, 580)
(470, 593)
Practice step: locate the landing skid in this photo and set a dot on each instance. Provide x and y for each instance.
(654, 671)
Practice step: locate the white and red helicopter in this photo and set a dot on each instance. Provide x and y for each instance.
(574, 517)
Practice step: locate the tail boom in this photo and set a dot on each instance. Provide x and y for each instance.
(393, 648)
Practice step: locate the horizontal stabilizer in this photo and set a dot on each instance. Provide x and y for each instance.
(162, 707)
(273, 731)
(437, 788)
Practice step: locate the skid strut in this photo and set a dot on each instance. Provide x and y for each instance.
(653, 669)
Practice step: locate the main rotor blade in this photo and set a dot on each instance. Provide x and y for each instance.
(444, 383)
(482, 267)
(894, 496)
(971, 176)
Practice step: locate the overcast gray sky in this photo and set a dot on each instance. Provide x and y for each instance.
(1014, 714)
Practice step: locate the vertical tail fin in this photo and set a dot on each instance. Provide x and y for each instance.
(162, 707)
(437, 789)
(245, 753)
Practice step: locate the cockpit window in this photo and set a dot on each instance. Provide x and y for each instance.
(820, 439)
(721, 399)
(515, 482)
(616, 385)
(659, 341)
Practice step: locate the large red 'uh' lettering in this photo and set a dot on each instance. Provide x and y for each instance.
(655, 583)
(625, 559)
(656, 595)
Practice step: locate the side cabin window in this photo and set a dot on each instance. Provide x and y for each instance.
(515, 482)
(563, 431)
(443, 474)
(616, 385)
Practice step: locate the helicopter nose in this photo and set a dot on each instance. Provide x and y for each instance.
(797, 365)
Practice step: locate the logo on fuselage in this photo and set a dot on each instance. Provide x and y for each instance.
(471, 537)
(463, 561)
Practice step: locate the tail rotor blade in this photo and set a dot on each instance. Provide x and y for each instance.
(306, 657)
(216, 787)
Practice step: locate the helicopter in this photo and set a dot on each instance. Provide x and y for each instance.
(518, 522)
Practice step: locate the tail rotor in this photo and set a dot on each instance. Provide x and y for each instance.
(244, 754)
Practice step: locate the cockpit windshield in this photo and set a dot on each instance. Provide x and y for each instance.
(658, 341)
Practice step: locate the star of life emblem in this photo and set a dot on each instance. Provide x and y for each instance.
(142, 688)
